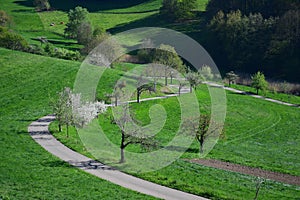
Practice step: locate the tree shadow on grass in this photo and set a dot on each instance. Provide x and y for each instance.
(58, 163)
(91, 5)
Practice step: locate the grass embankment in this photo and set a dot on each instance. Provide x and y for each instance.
(258, 134)
(109, 15)
(269, 94)
(27, 171)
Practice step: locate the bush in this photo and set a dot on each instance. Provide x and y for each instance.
(4, 18)
(11, 40)
(61, 53)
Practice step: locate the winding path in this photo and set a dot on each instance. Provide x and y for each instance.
(40, 133)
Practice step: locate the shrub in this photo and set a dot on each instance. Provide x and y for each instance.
(11, 40)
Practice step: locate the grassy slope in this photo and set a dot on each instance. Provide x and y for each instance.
(269, 94)
(243, 140)
(27, 171)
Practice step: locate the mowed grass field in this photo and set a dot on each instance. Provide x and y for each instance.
(258, 134)
(27, 171)
(104, 14)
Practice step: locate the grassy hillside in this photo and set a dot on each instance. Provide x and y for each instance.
(27, 171)
(258, 134)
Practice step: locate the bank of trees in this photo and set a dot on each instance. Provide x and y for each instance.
(258, 33)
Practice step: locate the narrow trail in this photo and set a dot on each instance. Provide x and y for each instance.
(40, 133)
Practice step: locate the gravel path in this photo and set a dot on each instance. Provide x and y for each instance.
(276, 176)
(40, 133)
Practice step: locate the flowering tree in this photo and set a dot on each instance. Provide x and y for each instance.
(71, 111)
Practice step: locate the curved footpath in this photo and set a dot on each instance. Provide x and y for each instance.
(40, 133)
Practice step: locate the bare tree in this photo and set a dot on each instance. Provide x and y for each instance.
(142, 86)
(155, 72)
(231, 76)
(194, 78)
(130, 132)
(204, 129)
(118, 91)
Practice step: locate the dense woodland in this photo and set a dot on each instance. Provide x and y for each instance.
(257, 35)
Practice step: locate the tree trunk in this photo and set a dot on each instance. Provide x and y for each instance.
(67, 130)
(257, 91)
(122, 147)
(257, 190)
(154, 86)
(59, 127)
(116, 101)
(191, 89)
(138, 96)
(179, 90)
(166, 80)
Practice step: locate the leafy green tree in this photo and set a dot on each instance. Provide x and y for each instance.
(42, 5)
(176, 10)
(259, 82)
(84, 33)
(167, 56)
(76, 18)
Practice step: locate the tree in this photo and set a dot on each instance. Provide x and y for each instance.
(118, 91)
(175, 10)
(4, 18)
(84, 33)
(142, 86)
(146, 51)
(95, 40)
(70, 111)
(194, 79)
(206, 72)
(259, 82)
(203, 130)
(76, 18)
(42, 5)
(130, 132)
(231, 77)
(167, 56)
(154, 71)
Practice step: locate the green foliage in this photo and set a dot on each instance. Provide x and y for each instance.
(242, 37)
(76, 18)
(61, 52)
(167, 55)
(259, 82)
(42, 5)
(11, 40)
(84, 33)
(267, 7)
(4, 18)
(176, 10)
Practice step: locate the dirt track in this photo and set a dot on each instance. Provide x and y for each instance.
(285, 178)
